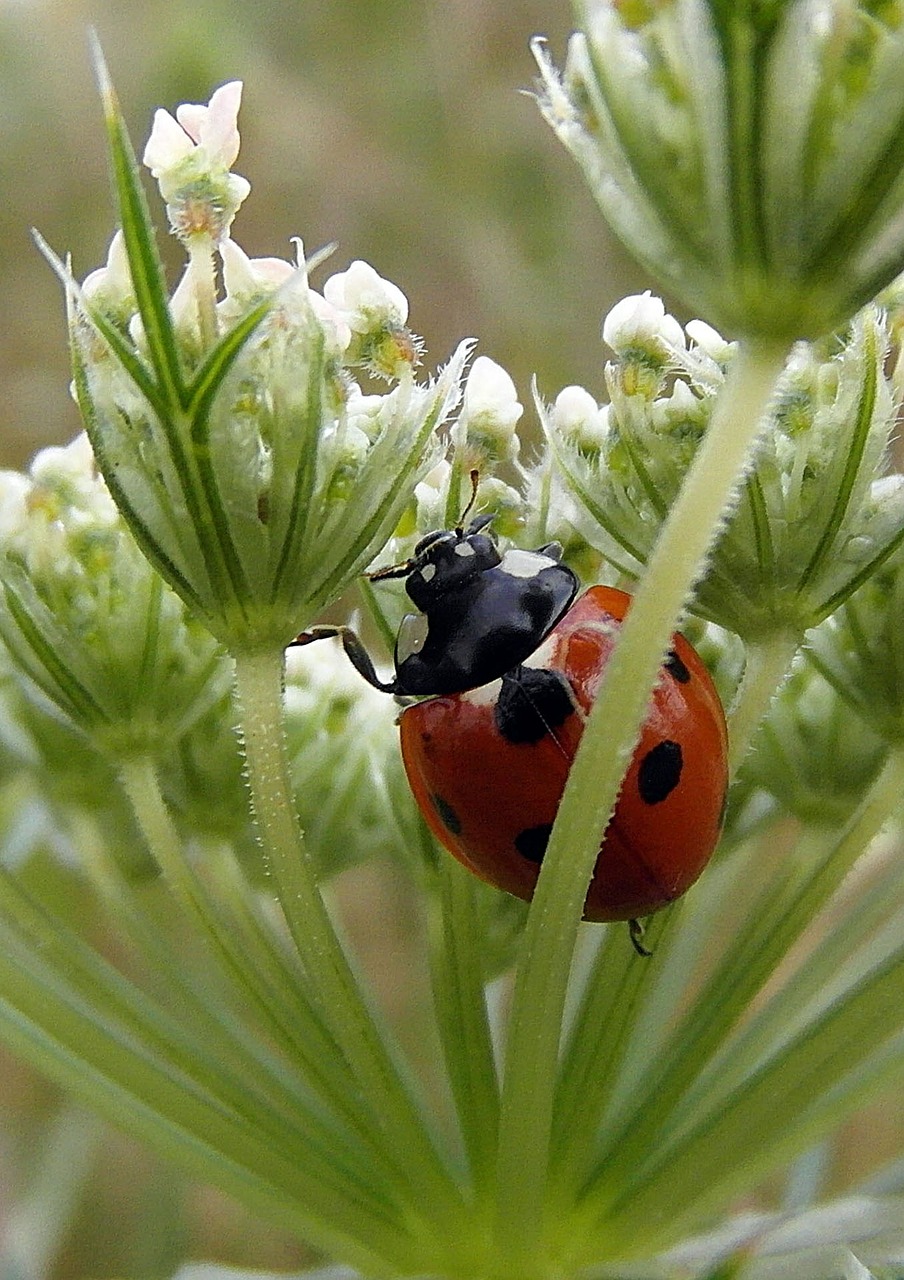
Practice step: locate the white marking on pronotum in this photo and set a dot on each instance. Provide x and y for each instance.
(464, 549)
(412, 635)
(486, 695)
(428, 572)
(524, 564)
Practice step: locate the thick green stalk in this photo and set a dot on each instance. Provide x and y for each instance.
(767, 664)
(590, 795)
(259, 685)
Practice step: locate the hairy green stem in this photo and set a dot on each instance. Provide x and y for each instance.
(590, 795)
(259, 685)
(765, 668)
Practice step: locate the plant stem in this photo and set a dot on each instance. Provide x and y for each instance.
(458, 992)
(202, 264)
(589, 797)
(259, 685)
(765, 668)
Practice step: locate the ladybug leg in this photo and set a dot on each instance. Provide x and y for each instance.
(355, 651)
(636, 932)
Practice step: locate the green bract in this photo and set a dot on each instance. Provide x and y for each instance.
(750, 154)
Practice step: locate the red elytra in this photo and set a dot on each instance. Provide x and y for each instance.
(492, 801)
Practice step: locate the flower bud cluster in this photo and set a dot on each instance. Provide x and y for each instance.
(258, 474)
(85, 618)
(744, 160)
(812, 755)
(859, 651)
(815, 514)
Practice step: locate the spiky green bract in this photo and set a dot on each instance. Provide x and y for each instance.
(749, 154)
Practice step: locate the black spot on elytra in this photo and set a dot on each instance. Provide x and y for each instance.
(532, 702)
(675, 667)
(447, 815)
(532, 841)
(660, 772)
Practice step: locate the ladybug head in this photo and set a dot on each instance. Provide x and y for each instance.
(449, 559)
(445, 560)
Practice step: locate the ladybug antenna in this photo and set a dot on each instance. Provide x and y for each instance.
(407, 566)
(475, 480)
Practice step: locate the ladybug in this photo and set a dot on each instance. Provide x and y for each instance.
(508, 666)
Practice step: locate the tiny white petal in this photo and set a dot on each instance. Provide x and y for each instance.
(243, 275)
(707, 339)
(184, 302)
(167, 145)
(74, 460)
(333, 321)
(219, 127)
(114, 279)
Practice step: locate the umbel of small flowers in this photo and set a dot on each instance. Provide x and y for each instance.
(816, 515)
(255, 473)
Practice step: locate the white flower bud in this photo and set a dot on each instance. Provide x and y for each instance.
(490, 412)
(366, 301)
(709, 340)
(578, 417)
(641, 323)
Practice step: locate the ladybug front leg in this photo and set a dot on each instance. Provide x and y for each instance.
(357, 654)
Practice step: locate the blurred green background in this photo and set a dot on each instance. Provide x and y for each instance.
(397, 130)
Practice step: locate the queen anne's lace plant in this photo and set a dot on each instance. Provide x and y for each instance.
(571, 1111)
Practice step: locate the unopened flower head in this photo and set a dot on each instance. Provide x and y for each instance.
(486, 429)
(576, 416)
(375, 312)
(84, 616)
(191, 157)
(757, 186)
(815, 514)
(812, 755)
(257, 475)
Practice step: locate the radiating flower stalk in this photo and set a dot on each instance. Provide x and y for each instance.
(252, 446)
